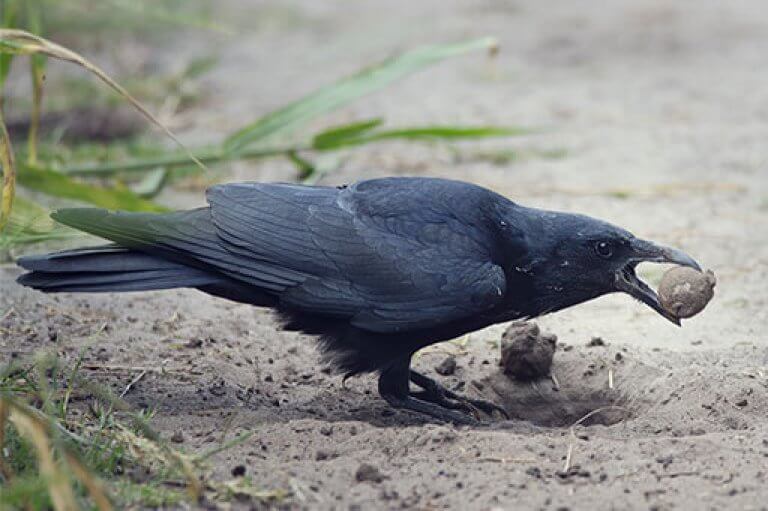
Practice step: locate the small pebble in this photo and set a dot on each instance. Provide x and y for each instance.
(447, 367)
(369, 473)
(595, 342)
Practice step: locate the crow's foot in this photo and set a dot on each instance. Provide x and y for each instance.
(431, 409)
(435, 393)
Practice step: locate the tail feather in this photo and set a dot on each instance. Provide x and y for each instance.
(109, 268)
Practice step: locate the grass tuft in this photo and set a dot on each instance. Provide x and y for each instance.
(99, 453)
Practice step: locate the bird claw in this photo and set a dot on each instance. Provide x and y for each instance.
(433, 392)
(431, 409)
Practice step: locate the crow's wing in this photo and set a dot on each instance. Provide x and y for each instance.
(187, 237)
(391, 257)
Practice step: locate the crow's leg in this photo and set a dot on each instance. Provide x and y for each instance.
(394, 388)
(436, 393)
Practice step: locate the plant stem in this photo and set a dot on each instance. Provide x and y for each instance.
(178, 160)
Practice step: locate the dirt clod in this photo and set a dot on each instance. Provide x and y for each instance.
(447, 367)
(685, 292)
(369, 473)
(526, 353)
(595, 342)
(194, 343)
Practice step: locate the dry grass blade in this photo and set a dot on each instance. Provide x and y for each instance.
(32, 428)
(38, 78)
(9, 174)
(37, 73)
(144, 447)
(243, 488)
(90, 481)
(21, 42)
(572, 431)
(5, 471)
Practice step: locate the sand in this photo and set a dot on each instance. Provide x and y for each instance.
(659, 112)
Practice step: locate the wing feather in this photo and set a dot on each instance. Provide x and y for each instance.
(386, 267)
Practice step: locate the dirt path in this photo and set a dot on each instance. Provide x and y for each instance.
(661, 112)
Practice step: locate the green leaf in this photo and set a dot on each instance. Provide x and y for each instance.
(336, 136)
(428, 133)
(348, 89)
(59, 185)
(305, 167)
(29, 216)
(151, 184)
(31, 223)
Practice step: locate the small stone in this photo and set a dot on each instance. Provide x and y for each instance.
(595, 342)
(194, 343)
(326, 430)
(177, 437)
(369, 473)
(447, 367)
(741, 403)
(534, 472)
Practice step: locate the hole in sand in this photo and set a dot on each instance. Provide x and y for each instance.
(581, 385)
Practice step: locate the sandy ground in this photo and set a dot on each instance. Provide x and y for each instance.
(662, 112)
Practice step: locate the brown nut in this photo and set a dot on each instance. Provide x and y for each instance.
(685, 292)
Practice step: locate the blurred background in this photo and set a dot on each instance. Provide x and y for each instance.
(649, 114)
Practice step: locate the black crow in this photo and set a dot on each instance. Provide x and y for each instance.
(377, 270)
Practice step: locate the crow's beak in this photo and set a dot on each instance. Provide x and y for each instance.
(645, 251)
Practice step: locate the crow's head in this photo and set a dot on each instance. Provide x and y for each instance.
(578, 258)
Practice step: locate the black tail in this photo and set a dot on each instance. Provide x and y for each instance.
(109, 268)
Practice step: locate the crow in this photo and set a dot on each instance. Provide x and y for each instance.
(375, 270)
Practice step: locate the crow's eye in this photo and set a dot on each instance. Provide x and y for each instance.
(604, 249)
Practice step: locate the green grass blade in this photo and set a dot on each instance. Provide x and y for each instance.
(60, 185)
(348, 89)
(335, 137)
(29, 216)
(152, 183)
(172, 160)
(422, 133)
(31, 223)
